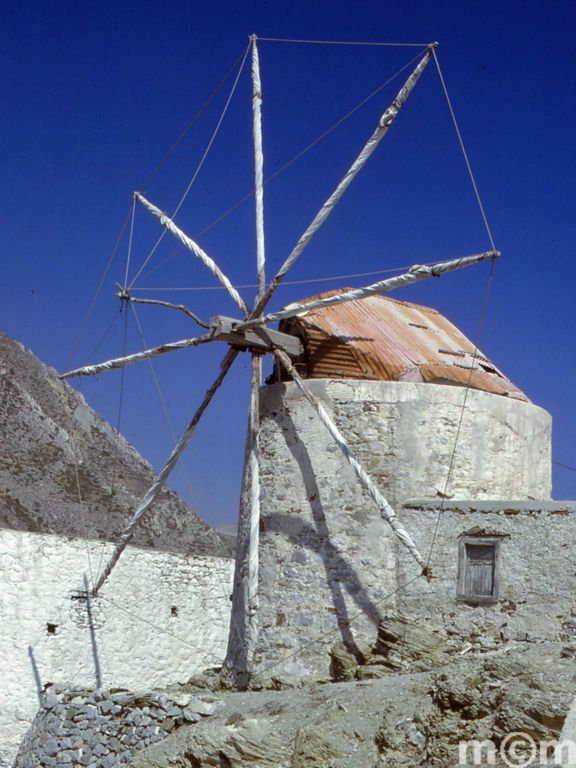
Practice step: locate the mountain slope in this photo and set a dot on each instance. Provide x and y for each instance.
(54, 445)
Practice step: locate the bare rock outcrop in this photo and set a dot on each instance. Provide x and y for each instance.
(402, 645)
(400, 720)
(54, 445)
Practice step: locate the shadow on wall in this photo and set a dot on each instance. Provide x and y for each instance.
(84, 598)
(36, 675)
(340, 575)
(92, 630)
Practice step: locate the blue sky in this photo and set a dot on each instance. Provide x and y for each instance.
(94, 94)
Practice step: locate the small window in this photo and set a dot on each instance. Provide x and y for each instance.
(478, 569)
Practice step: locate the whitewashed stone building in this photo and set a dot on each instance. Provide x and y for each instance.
(433, 420)
(457, 449)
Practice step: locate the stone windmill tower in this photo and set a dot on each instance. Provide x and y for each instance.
(427, 415)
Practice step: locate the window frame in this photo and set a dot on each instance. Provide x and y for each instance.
(463, 559)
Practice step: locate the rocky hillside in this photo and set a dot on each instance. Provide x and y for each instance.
(56, 450)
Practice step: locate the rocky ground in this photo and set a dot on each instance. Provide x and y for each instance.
(104, 728)
(409, 702)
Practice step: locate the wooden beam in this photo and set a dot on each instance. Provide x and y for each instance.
(259, 338)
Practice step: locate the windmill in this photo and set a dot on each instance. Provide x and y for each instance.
(251, 332)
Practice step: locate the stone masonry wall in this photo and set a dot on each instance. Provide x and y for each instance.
(536, 569)
(160, 619)
(326, 556)
(327, 559)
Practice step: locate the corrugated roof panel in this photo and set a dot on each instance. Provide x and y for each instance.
(384, 339)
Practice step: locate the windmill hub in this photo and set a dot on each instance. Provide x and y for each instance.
(258, 339)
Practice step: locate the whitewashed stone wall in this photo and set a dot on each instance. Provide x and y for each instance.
(160, 619)
(327, 559)
(536, 569)
(406, 433)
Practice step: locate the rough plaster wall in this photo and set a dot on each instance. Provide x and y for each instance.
(326, 556)
(537, 575)
(144, 647)
(53, 442)
(408, 431)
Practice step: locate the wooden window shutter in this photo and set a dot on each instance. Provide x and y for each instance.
(478, 569)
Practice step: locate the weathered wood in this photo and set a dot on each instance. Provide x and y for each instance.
(478, 569)
(158, 484)
(259, 338)
(414, 275)
(381, 130)
(194, 248)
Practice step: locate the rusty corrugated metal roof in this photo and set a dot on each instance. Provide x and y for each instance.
(379, 338)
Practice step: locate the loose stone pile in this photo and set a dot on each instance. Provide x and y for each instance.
(103, 729)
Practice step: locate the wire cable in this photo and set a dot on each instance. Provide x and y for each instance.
(81, 507)
(467, 388)
(343, 42)
(564, 466)
(116, 449)
(486, 295)
(129, 253)
(309, 281)
(200, 288)
(97, 293)
(464, 152)
(155, 626)
(104, 336)
(190, 125)
(336, 629)
(170, 425)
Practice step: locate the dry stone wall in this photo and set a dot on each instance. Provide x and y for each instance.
(104, 728)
